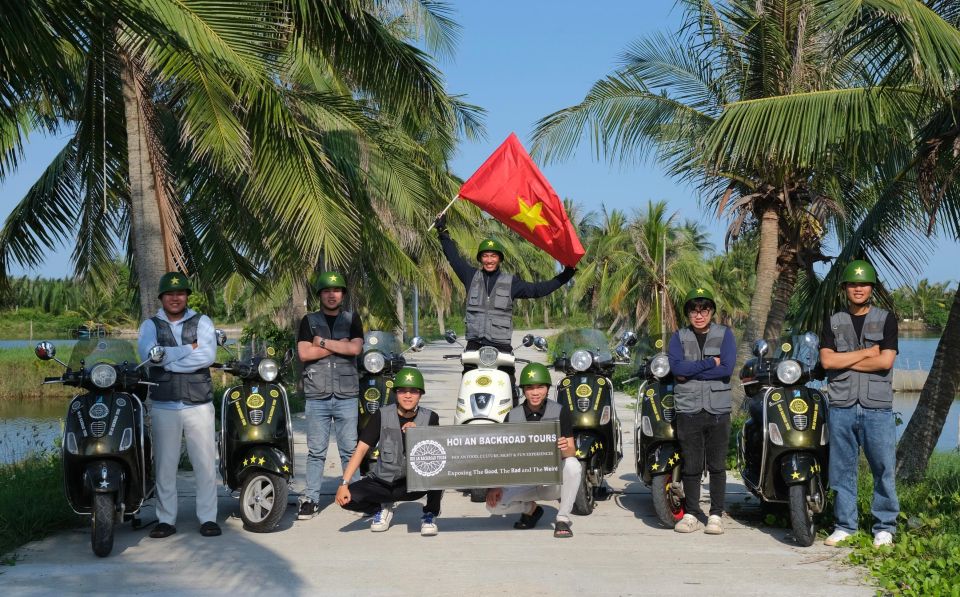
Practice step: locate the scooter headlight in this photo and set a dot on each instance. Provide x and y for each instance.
(268, 370)
(660, 366)
(789, 371)
(374, 362)
(489, 356)
(581, 360)
(103, 375)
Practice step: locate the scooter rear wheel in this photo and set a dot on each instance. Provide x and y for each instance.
(666, 501)
(102, 525)
(263, 500)
(801, 517)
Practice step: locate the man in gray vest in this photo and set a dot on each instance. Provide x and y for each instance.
(702, 357)
(386, 483)
(328, 344)
(181, 404)
(857, 350)
(535, 382)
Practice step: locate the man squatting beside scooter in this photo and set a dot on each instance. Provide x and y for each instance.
(535, 382)
(181, 403)
(328, 344)
(857, 350)
(702, 357)
(386, 483)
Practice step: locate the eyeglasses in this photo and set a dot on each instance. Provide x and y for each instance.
(700, 312)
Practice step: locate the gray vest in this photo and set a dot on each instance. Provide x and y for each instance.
(189, 388)
(391, 465)
(847, 387)
(695, 395)
(490, 316)
(334, 375)
(552, 413)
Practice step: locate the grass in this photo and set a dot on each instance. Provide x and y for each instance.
(16, 324)
(22, 373)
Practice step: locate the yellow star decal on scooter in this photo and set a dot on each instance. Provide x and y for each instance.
(795, 475)
(670, 461)
(286, 469)
(262, 461)
(244, 462)
(655, 466)
(578, 454)
(676, 457)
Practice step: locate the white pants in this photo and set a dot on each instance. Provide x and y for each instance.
(196, 424)
(517, 500)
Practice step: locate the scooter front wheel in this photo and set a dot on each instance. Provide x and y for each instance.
(263, 500)
(666, 500)
(102, 525)
(801, 516)
(586, 501)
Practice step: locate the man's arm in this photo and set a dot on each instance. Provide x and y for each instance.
(831, 359)
(727, 359)
(147, 339)
(523, 289)
(461, 267)
(882, 362)
(343, 492)
(202, 355)
(683, 368)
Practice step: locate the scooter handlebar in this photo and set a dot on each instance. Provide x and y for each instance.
(47, 380)
(451, 356)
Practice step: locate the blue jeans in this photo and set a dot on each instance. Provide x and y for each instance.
(343, 413)
(873, 429)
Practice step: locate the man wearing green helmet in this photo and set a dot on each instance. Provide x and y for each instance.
(702, 356)
(857, 349)
(328, 343)
(535, 382)
(181, 404)
(386, 482)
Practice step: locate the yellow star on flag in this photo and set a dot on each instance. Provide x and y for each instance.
(795, 475)
(529, 215)
(858, 271)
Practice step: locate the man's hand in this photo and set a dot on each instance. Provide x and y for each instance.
(717, 361)
(567, 446)
(343, 495)
(194, 345)
(493, 496)
(441, 223)
(873, 351)
(403, 427)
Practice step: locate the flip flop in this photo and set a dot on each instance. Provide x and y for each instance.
(528, 521)
(562, 530)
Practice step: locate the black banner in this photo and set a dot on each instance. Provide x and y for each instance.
(476, 456)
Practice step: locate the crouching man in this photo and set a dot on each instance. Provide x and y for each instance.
(535, 383)
(374, 494)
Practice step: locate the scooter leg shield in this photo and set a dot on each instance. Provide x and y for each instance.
(663, 457)
(265, 458)
(798, 467)
(104, 476)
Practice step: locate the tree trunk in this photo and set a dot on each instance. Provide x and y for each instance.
(150, 255)
(441, 323)
(940, 390)
(298, 299)
(760, 303)
(401, 328)
(546, 315)
(783, 291)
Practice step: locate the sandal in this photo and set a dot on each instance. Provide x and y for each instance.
(528, 521)
(562, 530)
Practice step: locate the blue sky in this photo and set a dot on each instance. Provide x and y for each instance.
(522, 60)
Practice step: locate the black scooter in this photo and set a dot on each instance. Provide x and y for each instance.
(587, 393)
(656, 447)
(380, 360)
(107, 470)
(256, 435)
(783, 446)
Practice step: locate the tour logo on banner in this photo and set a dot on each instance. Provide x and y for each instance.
(475, 456)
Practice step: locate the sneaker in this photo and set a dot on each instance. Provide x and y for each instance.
(714, 525)
(836, 537)
(428, 528)
(210, 529)
(687, 524)
(882, 538)
(381, 520)
(308, 509)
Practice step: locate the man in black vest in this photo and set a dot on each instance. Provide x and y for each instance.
(386, 483)
(858, 348)
(535, 382)
(328, 344)
(181, 405)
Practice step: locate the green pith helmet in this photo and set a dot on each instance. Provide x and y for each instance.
(535, 374)
(331, 280)
(171, 281)
(409, 377)
(490, 244)
(859, 271)
(698, 292)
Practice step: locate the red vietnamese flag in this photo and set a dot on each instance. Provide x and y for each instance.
(511, 188)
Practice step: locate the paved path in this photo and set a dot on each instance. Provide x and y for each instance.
(618, 550)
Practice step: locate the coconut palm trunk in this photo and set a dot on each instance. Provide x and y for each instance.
(940, 390)
(150, 255)
(783, 290)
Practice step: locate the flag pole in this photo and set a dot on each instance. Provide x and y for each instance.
(455, 197)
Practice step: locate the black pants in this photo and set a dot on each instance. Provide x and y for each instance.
(704, 437)
(368, 494)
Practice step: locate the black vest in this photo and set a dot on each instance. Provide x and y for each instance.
(391, 465)
(333, 375)
(189, 388)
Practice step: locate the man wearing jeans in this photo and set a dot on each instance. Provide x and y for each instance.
(328, 343)
(702, 356)
(857, 350)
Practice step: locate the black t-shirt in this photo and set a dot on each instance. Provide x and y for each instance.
(370, 434)
(889, 341)
(701, 337)
(305, 334)
(566, 423)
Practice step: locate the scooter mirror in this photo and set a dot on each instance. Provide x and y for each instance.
(760, 348)
(527, 340)
(221, 338)
(540, 343)
(417, 344)
(628, 339)
(45, 351)
(156, 354)
(811, 339)
(622, 353)
(450, 336)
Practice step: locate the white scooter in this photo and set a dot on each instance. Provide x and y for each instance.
(486, 393)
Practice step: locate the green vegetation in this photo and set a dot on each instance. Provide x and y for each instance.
(21, 323)
(22, 373)
(927, 302)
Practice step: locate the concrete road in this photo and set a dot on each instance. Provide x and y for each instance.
(620, 549)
